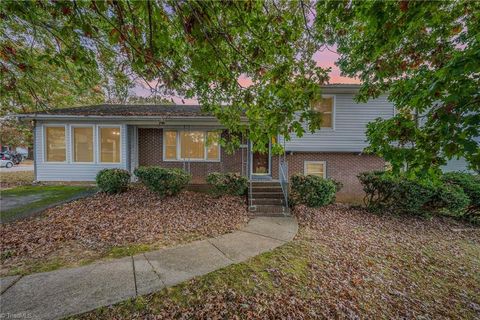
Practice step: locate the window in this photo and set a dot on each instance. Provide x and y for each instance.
(109, 144)
(191, 145)
(171, 145)
(82, 144)
(315, 168)
(55, 144)
(325, 107)
(213, 150)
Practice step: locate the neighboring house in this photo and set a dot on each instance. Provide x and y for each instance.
(74, 144)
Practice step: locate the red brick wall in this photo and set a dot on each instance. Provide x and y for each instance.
(150, 152)
(343, 167)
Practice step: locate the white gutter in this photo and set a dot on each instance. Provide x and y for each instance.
(130, 119)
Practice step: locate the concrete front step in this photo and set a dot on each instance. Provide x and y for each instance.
(266, 189)
(268, 214)
(266, 184)
(259, 195)
(268, 201)
(266, 208)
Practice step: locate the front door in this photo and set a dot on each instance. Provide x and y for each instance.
(261, 163)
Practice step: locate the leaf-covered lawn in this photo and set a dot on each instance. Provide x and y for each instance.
(344, 263)
(114, 225)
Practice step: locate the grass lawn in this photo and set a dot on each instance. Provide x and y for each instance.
(344, 263)
(47, 195)
(17, 178)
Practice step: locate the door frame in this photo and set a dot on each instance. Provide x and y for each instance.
(250, 160)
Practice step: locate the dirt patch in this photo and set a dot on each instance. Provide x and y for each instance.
(99, 223)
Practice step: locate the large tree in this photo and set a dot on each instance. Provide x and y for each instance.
(426, 56)
(255, 59)
(238, 58)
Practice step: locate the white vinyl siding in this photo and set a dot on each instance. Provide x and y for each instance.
(70, 170)
(350, 122)
(456, 165)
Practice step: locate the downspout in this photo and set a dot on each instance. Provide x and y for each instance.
(34, 150)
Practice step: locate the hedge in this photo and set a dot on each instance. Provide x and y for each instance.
(470, 184)
(227, 183)
(386, 193)
(312, 190)
(112, 180)
(164, 182)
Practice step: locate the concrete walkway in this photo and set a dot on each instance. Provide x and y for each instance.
(57, 294)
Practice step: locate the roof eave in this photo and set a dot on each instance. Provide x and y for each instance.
(128, 118)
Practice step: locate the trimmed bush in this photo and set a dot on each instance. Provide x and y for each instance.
(450, 199)
(470, 185)
(227, 183)
(112, 180)
(164, 182)
(312, 190)
(386, 193)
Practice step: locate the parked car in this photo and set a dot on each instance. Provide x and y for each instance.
(14, 156)
(6, 163)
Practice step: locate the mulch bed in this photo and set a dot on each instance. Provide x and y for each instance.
(345, 263)
(133, 217)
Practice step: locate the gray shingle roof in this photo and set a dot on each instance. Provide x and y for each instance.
(129, 110)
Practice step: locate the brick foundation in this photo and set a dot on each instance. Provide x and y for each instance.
(150, 153)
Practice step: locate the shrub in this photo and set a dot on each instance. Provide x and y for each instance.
(412, 196)
(451, 200)
(470, 185)
(164, 182)
(112, 180)
(312, 190)
(401, 195)
(227, 183)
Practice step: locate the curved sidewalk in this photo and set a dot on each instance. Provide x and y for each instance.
(60, 293)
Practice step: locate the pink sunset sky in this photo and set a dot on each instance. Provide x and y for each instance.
(325, 59)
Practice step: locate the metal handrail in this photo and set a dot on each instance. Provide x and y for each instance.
(250, 195)
(283, 166)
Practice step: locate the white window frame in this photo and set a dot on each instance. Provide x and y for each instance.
(305, 163)
(179, 146)
(94, 138)
(99, 143)
(334, 108)
(44, 140)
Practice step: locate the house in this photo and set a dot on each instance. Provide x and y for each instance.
(74, 144)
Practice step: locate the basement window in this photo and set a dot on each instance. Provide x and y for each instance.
(315, 168)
